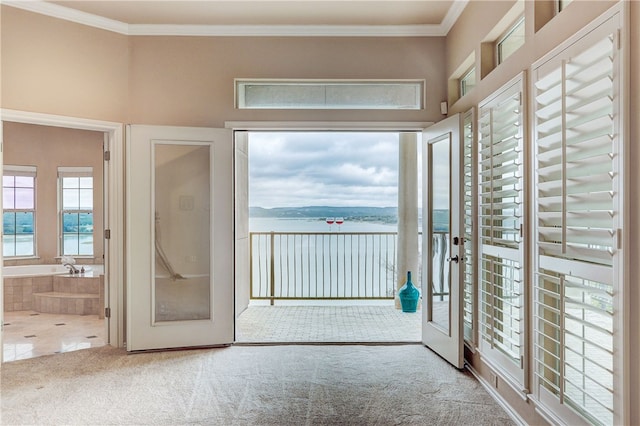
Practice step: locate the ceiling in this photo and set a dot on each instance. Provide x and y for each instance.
(267, 12)
(397, 17)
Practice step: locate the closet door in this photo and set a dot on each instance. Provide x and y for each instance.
(179, 242)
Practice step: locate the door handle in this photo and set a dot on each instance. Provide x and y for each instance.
(454, 259)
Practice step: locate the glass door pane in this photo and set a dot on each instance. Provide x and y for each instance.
(182, 232)
(440, 200)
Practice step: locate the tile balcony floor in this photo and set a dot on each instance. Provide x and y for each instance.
(328, 324)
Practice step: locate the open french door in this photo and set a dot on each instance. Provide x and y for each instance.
(442, 245)
(179, 237)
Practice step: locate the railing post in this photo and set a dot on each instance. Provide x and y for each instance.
(272, 271)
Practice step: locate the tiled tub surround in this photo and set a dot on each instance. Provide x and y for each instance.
(25, 288)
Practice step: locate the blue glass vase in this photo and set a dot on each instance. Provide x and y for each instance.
(409, 295)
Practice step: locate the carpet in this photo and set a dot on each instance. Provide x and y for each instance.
(246, 385)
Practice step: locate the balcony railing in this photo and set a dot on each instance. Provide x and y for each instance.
(332, 266)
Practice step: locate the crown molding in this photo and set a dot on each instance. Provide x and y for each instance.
(452, 16)
(68, 14)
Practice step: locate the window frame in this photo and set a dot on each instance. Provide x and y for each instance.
(74, 172)
(24, 171)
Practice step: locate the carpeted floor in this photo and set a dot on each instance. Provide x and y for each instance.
(246, 385)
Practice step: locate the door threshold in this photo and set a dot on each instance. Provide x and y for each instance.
(355, 343)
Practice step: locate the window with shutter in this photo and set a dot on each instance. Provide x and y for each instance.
(500, 256)
(577, 206)
(469, 212)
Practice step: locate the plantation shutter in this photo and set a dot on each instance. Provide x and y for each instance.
(500, 171)
(577, 214)
(469, 214)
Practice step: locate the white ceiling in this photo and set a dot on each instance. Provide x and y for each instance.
(266, 12)
(258, 17)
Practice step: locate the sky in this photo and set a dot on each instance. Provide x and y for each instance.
(297, 169)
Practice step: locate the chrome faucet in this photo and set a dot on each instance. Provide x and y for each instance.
(72, 269)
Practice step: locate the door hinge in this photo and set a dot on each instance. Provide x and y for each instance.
(619, 38)
(107, 312)
(107, 155)
(521, 361)
(107, 234)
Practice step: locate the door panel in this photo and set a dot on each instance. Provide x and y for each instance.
(442, 240)
(179, 237)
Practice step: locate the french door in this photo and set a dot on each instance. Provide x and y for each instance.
(442, 245)
(179, 237)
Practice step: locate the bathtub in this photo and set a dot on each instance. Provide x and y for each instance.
(46, 270)
(51, 289)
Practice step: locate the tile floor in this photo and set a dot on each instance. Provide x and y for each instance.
(28, 334)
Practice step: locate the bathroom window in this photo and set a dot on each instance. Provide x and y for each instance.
(19, 208)
(76, 210)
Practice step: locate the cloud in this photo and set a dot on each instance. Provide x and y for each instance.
(323, 168)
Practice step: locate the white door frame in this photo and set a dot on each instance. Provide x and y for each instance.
(114, 214)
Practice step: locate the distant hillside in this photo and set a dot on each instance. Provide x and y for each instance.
(325, 211)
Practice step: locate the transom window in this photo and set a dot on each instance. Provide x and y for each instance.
(19, 208)
(468, 81)
(510, 41)
(330, 94)
(76, 210)
(562, 4)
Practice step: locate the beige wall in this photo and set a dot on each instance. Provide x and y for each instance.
(47, 148)
(473, 27)
(59, 67)
(190, 80)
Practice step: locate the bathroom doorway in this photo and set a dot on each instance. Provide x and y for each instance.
(53, 222)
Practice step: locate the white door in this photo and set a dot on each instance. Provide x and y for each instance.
(179, 243)
(442, 245)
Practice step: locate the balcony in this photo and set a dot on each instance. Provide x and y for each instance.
(331, 287)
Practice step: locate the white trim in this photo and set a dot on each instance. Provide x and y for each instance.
(17, 170)
(114, 217)
(73, 15)
(395, 126)
(69, 171)
(68, 14)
